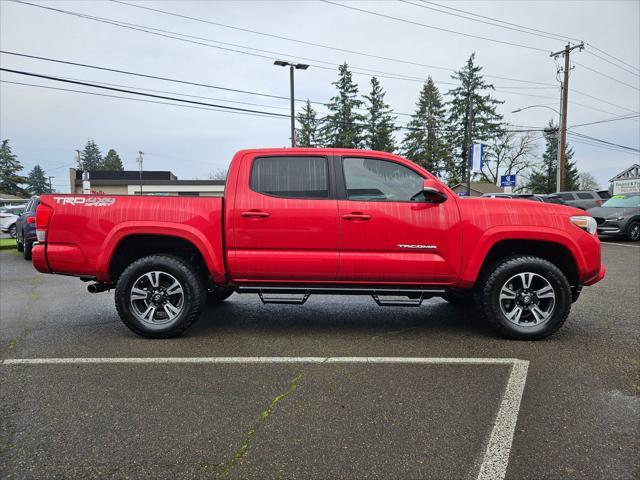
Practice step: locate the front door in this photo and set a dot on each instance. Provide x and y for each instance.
(390, 234)
(285, 221)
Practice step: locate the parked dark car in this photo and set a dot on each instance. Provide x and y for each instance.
(604, 194)
(619, 216)
(551, 198)
(584, 200)
(26, 228)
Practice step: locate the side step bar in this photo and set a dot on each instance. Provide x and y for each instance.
(385, 297)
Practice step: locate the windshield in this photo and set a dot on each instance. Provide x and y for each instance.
(622, 201)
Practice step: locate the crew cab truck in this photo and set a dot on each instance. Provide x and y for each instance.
(295, 222)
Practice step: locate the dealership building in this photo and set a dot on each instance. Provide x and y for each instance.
(131, 182)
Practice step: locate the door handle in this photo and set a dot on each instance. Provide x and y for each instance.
(254, 214)
(356, 216)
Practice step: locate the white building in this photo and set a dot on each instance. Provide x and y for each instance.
(627, 181)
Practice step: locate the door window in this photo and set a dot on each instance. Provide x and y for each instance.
(381, 181)
(291, 177)
(585, 196)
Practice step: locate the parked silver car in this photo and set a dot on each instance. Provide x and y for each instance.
(584, 200)
(619, 216)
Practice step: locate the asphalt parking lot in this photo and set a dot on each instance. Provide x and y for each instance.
(438, 397)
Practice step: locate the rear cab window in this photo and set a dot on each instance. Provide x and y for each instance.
(291, 177)
(585, 196)
(566, 196)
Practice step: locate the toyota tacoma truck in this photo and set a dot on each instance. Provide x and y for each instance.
(296, 222)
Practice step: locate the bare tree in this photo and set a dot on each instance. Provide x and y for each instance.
(509, 153)
(220, 174)
(586, 181)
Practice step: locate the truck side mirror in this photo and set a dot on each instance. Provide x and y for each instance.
(432, 192)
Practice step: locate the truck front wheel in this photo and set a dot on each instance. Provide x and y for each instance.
(159, 296)
(526, 298)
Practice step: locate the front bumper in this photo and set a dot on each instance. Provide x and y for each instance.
(610, 227)
(601, 274)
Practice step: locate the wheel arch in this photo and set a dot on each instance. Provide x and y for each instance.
(558, 250)
(131, 242)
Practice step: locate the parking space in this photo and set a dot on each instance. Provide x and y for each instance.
(579, 414)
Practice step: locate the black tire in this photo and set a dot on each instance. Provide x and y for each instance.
(19, 245)
(26, 250)
(219, 295)
(12, 231)
(633, 231)
(459, 299)
(193, 296)
(543, 270)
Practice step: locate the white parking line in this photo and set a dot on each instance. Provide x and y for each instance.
(619, 244)
(496, 455)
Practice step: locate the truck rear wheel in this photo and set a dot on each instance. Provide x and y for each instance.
(525, 298)
(159, 296)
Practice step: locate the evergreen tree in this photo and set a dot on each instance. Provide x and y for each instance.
(9, 167)
(90, 157)
(469, 99)
(425, 143)
(543, 178)
(379, 121)
(308, 134)
(37, 183)
(343, 126)
(112, 161)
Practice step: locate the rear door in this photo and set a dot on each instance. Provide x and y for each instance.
(390, 234)
(284, 220)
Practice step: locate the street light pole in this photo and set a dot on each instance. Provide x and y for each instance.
(292, 66)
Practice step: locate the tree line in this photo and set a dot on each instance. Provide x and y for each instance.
(13, 182)
(437, 134)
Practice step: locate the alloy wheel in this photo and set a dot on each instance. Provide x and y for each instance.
(157, 298)
(527, 299)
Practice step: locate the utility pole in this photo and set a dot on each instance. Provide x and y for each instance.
(292, 67)
(469, 141)
(139, 160)
(78, 159)
(563, 117)
(50, 187)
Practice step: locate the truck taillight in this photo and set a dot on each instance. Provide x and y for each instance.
(43, 215)
(31, 220)
(598, 202)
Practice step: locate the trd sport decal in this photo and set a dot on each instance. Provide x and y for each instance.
(86, 201)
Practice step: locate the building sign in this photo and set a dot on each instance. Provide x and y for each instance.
(620, 187)
(507, 180)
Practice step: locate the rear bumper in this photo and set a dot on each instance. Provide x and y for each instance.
(39, 258)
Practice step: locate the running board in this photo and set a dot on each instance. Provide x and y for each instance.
(384, 297)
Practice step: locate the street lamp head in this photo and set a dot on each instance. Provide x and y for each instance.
(281, 63)
(516, 110)
(301, 66)
(297, 66)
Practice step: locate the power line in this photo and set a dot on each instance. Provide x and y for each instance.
(587, 137)
(189, 39)
(615, 119)
(637, 74)
(543, 33)
(205, 105)
(320, 45)
(573, 90)
(576, 140)
(606, 76)
(151, 95)
(556, 38)
(362, 10)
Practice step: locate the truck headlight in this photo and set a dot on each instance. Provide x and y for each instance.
(586, 223)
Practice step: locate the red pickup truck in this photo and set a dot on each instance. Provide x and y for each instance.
(296, 222)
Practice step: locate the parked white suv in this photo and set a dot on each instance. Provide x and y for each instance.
(8, 217)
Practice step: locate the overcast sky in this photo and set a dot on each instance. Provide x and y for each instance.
(46, 126)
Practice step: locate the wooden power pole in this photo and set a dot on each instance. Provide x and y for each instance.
(562, 155)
